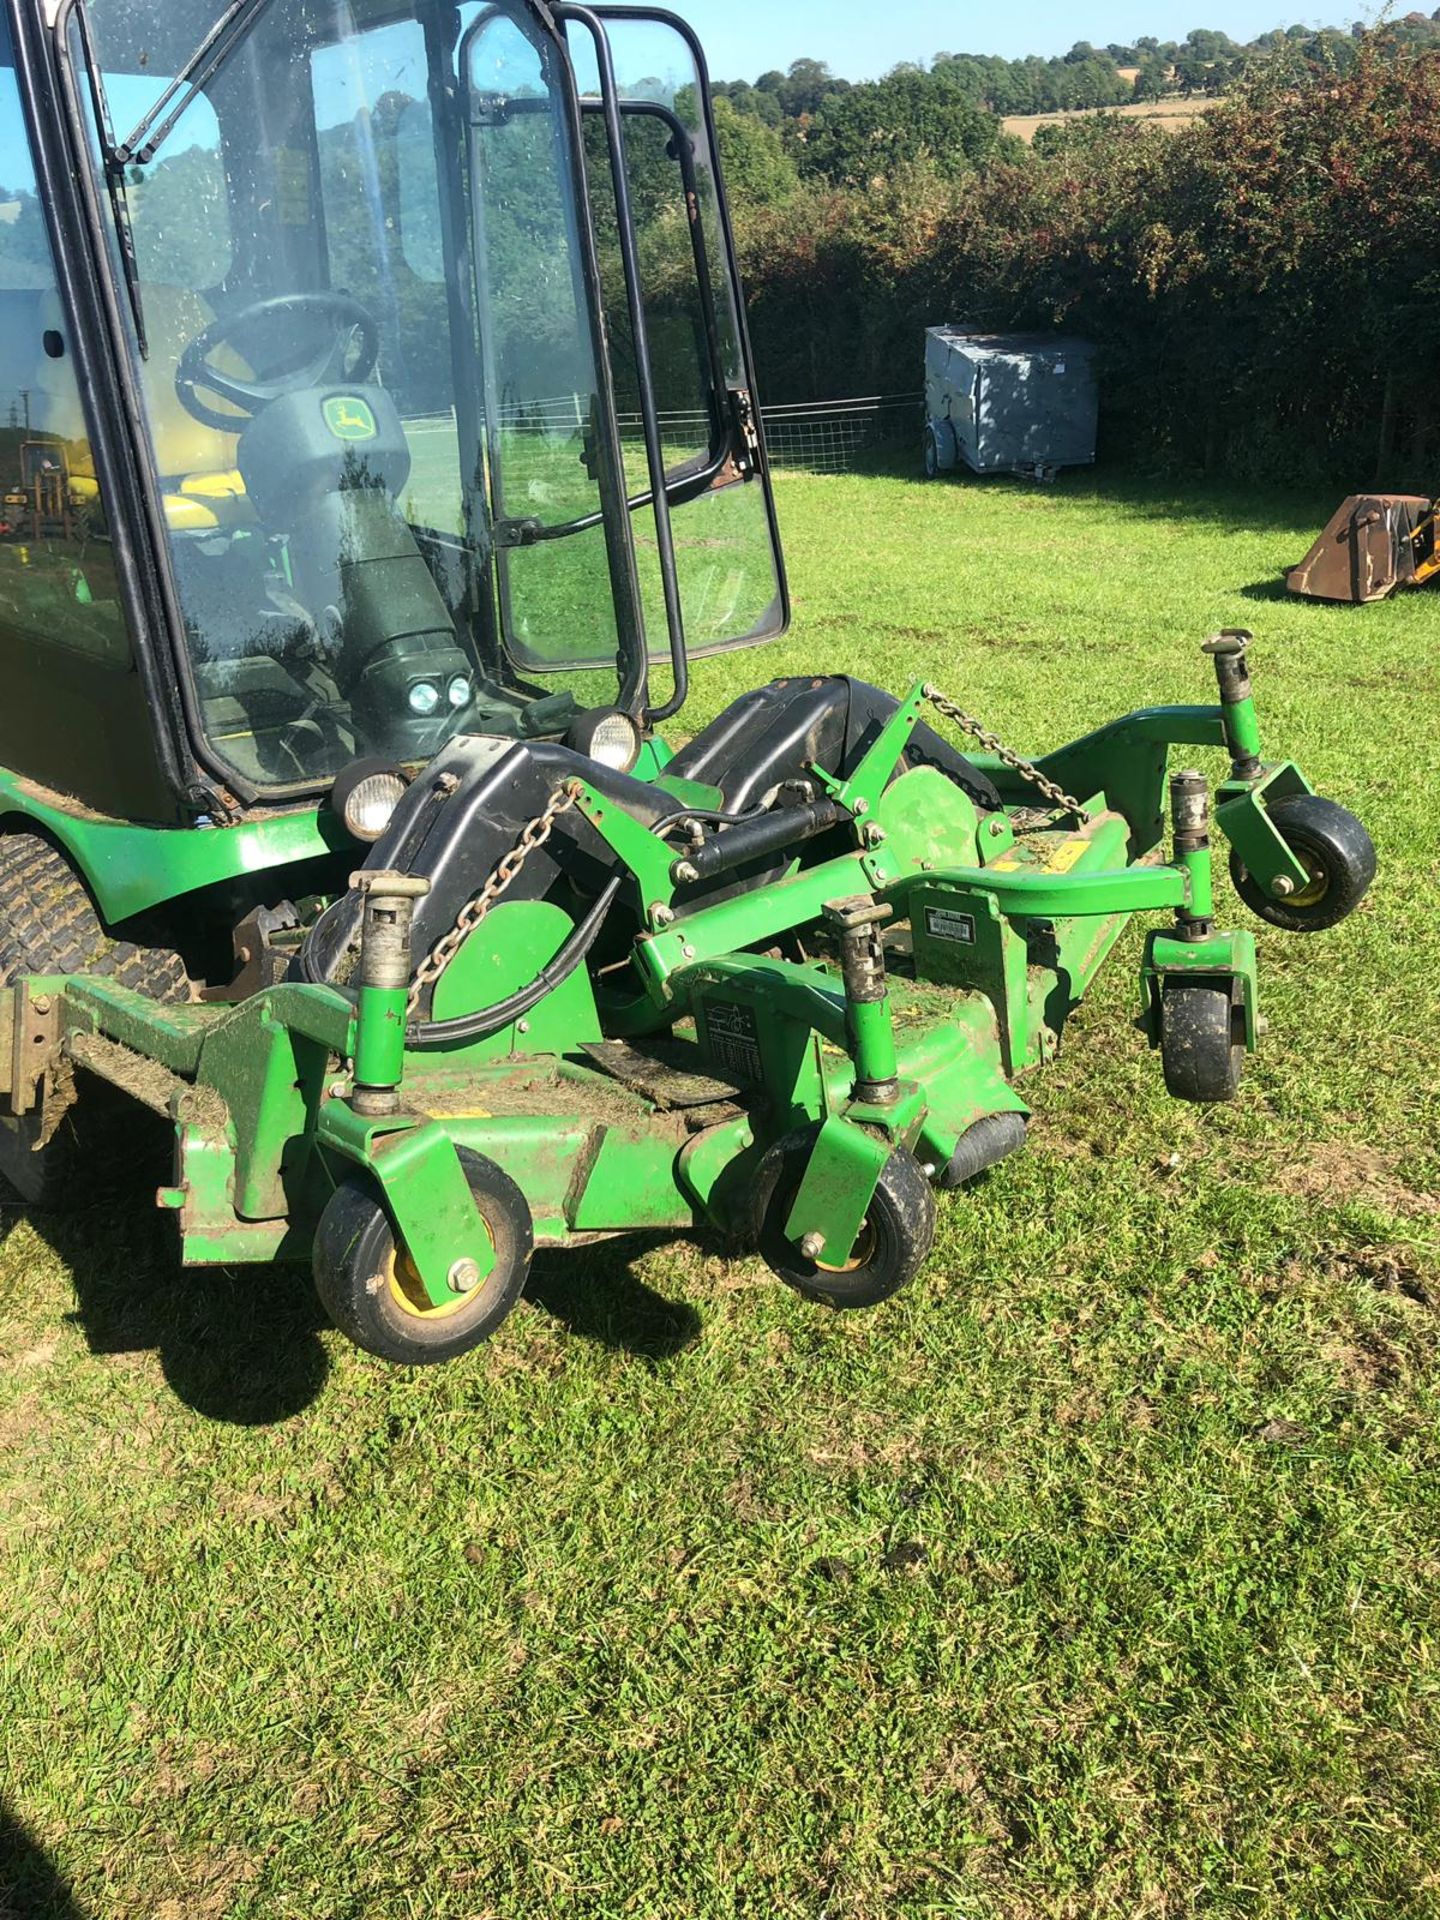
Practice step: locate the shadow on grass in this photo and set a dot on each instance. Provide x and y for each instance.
(1235, 506)
(31, 1885)
(238, 1344)
(242, 1345)
(596, 1293)
(1272, 591)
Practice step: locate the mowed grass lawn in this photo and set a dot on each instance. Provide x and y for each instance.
(1096, 1575)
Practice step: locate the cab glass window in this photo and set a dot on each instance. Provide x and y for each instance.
(350, 383)
(57, 574)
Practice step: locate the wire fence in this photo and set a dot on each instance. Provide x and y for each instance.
(823, 436)
(831, 436)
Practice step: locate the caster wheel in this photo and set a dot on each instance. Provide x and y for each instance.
(1202, 1042)
(1336, 851)
(372, 1292)
(894, 1242)
(932, 455)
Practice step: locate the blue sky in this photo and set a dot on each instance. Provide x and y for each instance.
(862, 38)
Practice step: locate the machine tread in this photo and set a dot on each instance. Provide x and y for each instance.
(48, 924)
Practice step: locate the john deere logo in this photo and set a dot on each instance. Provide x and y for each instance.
(350, 419)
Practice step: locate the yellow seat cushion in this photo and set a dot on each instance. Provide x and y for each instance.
(184, 515)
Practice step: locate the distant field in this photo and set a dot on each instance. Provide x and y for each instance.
(1097, 1577)
(1171, 114)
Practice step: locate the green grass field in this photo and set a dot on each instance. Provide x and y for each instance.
(1095, 1576)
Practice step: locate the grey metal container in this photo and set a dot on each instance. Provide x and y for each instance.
(1024, 403)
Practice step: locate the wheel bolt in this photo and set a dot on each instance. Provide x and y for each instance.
(813, 1245)
(1283, 887)
(464, 1276)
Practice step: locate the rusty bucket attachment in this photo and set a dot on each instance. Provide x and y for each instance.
(1375, 544)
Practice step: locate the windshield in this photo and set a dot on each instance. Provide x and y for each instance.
(366, 342)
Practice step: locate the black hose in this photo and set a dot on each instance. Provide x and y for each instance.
(708, 816)
(773, 832)
(486, 1021)
(489, 1020)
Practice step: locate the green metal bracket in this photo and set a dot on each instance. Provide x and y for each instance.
(1242, 815)
(995, 838)
(426, 1193)
(211, 1233)
(644, 853)
(656, 753)
(864, 789)
(1223, 958)
(837, 1188)
(963, 939)
(517, 939)
(901, 1122)
(757, 1020)
(712, 933)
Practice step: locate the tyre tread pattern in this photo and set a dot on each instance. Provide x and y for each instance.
(48, 924)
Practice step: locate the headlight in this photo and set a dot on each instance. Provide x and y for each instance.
(366, 796)
(424, 698)
(460, 692)
(607, 735)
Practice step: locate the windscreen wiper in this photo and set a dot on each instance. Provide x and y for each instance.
(114, 178)
(160, 121)
(155, 126)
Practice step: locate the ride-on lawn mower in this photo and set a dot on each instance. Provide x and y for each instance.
(339, 826)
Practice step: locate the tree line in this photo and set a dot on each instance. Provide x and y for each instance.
(1262, 283)
(809, 104)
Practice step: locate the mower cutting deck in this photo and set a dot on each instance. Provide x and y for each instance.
(798, 1057)
(356, 849)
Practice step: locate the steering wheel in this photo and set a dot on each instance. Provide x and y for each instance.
(349, 354)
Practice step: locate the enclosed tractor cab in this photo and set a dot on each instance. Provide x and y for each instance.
(403, 457)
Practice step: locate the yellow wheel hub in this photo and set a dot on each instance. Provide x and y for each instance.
(407, 1290)
(1319, 886)
(862, 1255)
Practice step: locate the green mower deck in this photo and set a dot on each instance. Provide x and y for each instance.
(799, 1065)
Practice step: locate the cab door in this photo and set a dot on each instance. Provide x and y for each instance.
(75, 717)
(730, 572)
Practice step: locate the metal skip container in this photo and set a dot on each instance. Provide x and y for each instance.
(1021, 403)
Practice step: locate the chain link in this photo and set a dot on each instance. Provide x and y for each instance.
(499, 883)
(992, 743)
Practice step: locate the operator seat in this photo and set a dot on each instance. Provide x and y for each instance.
(201, 487)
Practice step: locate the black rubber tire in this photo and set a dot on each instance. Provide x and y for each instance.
(1202, 1042)
(354, 1265)
(48, 924)
(896, 1241)
(932, 455)
(1340, 854)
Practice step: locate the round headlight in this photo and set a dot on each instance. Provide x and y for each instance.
(366, 796)
(607, 735)
(424, 698)
(459, 692)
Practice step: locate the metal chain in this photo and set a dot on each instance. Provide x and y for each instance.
(499, 883)
(992, 743)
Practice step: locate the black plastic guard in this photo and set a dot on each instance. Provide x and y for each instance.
(775, 733)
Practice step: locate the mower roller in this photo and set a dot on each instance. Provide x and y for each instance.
(359, 852)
